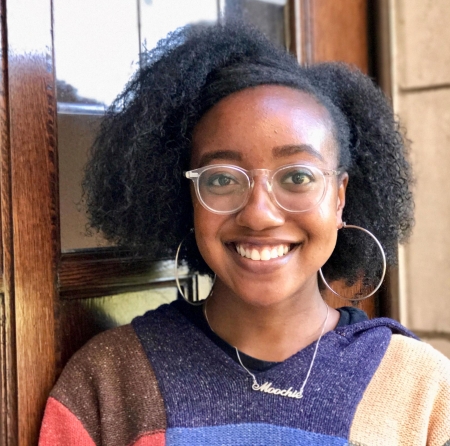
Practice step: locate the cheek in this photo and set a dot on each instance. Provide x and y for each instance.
(206, 227)
(321, 241)
(329, 208)
(328, 213)
(329, 217)
(323, 227)
(201, 225)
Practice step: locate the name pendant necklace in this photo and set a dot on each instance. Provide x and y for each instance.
(267, 386)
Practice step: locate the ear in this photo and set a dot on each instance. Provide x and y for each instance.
(342, 187)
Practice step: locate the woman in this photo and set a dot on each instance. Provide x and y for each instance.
(276, 157)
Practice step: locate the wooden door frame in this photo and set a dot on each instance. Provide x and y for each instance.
(30, 220)
(329, 30)
(8, 408)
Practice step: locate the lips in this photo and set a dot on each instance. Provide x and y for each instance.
(262, 252)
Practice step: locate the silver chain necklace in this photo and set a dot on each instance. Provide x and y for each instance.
(267, 386)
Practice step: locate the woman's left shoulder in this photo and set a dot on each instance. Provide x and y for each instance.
(404, 351)
(408, 398)
(403, 348)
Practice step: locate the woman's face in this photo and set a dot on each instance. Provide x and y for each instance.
(267, 127)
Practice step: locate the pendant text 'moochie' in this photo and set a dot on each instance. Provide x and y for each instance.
(267, 388)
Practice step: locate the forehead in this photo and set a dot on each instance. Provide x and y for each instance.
(262, 124)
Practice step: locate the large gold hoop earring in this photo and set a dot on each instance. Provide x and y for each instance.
(358, 298)
(177, 277)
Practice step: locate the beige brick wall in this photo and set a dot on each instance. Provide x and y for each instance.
(420, 44)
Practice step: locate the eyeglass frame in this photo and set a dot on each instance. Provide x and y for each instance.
(194, 175)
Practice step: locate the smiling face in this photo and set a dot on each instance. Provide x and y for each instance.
(263, 254)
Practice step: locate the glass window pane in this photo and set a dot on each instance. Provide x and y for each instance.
(75, 135)
(96, 52)
(159, 17)
(96, 48)
(267, 15)
(121, 309)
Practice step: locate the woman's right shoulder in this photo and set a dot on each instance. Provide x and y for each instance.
(103, 383)
(119, 350)
(113, 356)
(111, 348)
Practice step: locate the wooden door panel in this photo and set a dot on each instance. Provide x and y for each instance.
(336, 30)
(8, 371)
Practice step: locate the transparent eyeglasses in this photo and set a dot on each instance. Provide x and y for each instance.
(225, 189)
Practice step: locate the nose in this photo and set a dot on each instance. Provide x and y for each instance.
(260, 211)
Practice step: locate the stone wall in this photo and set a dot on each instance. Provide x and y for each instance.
(420, 59)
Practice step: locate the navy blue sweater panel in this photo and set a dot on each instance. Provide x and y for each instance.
(203, 386)
(348, 316)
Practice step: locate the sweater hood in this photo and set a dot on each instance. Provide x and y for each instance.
(356, 330)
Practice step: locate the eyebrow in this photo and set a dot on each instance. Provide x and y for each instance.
(220, 155)
(277, 152)
(292, 149)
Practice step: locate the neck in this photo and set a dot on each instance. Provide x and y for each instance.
(271, 332)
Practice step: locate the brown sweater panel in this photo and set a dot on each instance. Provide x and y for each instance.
(110, 387)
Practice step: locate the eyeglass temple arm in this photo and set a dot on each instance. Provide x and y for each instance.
(332, 172)
(190, 174)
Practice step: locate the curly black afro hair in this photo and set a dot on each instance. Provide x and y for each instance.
(134, 189)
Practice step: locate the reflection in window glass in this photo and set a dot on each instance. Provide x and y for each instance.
(267, 15)
(97, 314)
(96, 48)
(75, 135)
(121, 309)
(159, 17)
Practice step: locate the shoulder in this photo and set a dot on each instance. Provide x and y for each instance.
(408, 399)
(404, 354)
(423, 357)
(108, 353)
(106, 381)
(118, 349)
(417, 365)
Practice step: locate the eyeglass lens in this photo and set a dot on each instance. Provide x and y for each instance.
(295, 188)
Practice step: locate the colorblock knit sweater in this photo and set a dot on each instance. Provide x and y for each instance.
(162, 381)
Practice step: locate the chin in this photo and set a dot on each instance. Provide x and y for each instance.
(261, 296)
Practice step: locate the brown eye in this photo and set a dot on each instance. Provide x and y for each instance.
(297, 178)
(220, 180)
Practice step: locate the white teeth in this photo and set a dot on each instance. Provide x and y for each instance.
(255, 255)
(265, 253)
